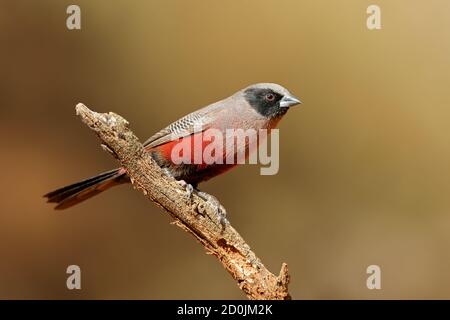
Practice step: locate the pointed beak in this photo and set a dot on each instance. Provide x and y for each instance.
(289, 101)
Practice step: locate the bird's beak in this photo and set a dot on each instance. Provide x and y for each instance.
(289, 101)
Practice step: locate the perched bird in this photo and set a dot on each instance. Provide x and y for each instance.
(259, 106)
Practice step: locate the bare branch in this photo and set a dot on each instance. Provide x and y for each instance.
(194, 215)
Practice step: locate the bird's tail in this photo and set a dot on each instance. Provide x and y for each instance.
(73, 194)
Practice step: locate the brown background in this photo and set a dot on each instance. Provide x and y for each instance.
(364, 175)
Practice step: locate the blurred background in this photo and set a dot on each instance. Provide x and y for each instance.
(364, 167)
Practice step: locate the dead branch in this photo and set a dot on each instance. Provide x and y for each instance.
(194, 215)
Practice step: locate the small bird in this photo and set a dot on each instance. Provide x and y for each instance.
(259, 106)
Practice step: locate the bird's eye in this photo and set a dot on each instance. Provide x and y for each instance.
(270, 97)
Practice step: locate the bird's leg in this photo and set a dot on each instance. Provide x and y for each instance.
(188, 187)
(220, 211)
(218, 208)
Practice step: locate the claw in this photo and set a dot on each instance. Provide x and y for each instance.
(167, 172)
(188, 187)
(220, 211)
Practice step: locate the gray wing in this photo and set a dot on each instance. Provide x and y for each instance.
(194, 122)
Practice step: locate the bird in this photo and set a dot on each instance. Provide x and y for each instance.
(258, 106)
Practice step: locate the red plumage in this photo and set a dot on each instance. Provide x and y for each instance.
(256, 107)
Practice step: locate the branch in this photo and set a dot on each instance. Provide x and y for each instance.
(194, 215)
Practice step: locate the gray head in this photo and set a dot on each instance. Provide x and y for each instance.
(270, 99)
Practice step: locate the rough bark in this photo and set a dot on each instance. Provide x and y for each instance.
(193, 215)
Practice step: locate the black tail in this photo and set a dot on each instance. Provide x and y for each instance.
(75, 193)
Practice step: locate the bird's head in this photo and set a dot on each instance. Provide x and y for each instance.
(269, 99)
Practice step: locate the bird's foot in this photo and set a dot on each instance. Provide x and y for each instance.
(188, 187)
(167, 172)
(220, 211)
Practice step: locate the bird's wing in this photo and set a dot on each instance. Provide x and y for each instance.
(197, 121)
